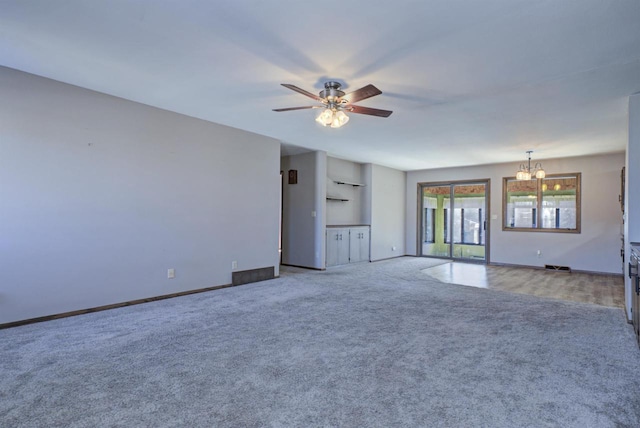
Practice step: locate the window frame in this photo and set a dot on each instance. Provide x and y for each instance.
(539, 205)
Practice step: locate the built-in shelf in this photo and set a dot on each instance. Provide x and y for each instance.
(348, 183)
(334, 198)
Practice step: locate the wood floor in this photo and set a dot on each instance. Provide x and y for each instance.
(605, 290)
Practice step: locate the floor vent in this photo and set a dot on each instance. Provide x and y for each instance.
(252, 275)
(558, 268)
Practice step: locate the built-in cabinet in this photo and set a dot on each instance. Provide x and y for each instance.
(347, 244)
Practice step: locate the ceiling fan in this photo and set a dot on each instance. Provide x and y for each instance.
(335, 103)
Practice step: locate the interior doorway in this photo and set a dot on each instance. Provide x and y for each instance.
(453, 220)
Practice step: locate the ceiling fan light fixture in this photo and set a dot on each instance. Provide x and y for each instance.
(326, 117)
(339, 119)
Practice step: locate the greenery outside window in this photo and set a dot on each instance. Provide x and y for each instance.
(550, 204)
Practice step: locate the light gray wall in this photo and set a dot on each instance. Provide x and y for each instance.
(596, 249)
(304, 215)
(100, 196)
(632, 189)
(388, 220)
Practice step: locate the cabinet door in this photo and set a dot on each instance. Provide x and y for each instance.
(364, 245)
(354, 245)
(337, 247)
(359, 244)
(332, 247)
(343, 246)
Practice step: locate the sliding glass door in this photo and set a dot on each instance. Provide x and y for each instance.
(453, 220)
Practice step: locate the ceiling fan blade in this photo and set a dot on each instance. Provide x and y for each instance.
(362, 94)
(369, 111)
(296, 108)
(302, 91)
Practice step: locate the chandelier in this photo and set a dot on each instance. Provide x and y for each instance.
(525, 172)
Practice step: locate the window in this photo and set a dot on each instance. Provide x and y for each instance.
(550, 204)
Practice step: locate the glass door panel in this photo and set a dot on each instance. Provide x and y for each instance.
(436, 201)
(469, 221)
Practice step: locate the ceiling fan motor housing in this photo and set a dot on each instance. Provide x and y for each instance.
(331, 92)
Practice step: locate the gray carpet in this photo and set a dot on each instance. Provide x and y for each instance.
(378, 344)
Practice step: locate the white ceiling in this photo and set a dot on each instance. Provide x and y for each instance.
(469, 81)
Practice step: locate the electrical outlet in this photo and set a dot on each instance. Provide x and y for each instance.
(539, 253)
(393, 248)
(234, 265)
(171, 273)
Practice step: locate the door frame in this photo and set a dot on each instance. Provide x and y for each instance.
(420, 217)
